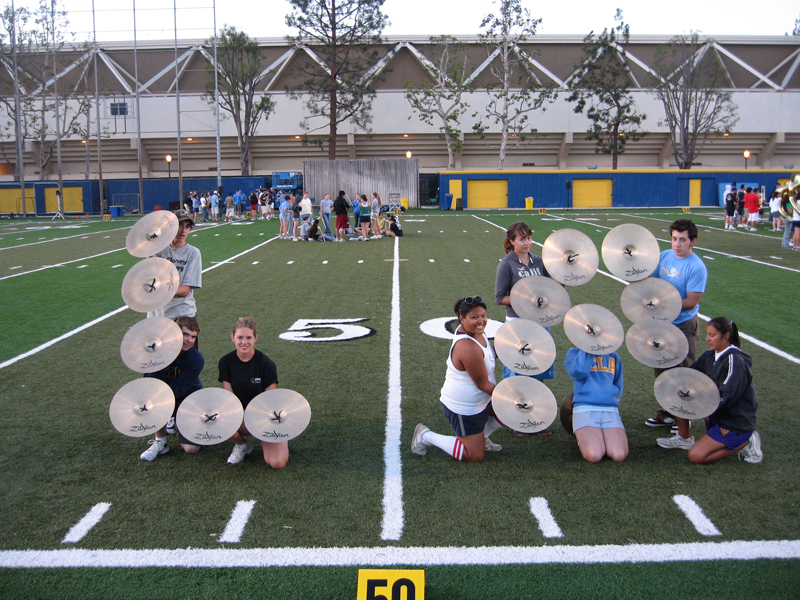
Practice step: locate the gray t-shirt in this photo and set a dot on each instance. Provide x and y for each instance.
(325, 205)
(510, 271)
(190, 270)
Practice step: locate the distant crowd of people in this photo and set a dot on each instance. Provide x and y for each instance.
(745, 206)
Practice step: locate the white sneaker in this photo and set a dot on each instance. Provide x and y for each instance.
(294, 239)
(417, 445)
(171, 426)
(490, 446)
(157, 446)
(239, 452)
(676, 441)
(752, 452)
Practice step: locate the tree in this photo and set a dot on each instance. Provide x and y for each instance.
(515, 91)
(336, 86)
(688, 82)
(600, 87)
(238, 70)
(38, 34)
(440, 98)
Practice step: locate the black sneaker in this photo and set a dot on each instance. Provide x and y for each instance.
(662, 419)
(171, 426)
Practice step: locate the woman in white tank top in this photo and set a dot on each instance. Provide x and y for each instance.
(467, 391)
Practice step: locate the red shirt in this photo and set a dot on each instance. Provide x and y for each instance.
(752, 202)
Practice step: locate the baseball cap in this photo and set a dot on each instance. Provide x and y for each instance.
(183, 216)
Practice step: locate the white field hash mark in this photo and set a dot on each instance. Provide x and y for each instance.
(239, 517)
(541, 512)
(696, 516)
(82, 527)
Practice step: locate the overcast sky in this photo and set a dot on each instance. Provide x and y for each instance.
(265, 18)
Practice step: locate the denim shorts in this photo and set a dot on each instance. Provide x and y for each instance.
(602, 419)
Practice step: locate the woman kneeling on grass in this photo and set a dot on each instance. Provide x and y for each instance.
(247, 372)
(732, 426)
(597, 390)
(466, 396)
(183, 378)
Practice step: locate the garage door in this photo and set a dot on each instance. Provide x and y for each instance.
(591, 192)
(487, 193)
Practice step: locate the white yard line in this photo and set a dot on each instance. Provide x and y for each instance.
(60, 264)
(239, 517)
(749, 338)
(393, 516)
(392, 555)
(69, 237)
(696, 516)
(82, 527)
(69, 334)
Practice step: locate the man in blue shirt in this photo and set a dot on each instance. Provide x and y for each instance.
(687, 272)
(238, 200)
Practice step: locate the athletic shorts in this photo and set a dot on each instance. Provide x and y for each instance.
(753, 217)
(263, 209)
(730, 438)
(795, 224)
(730, 210)
(464, 425)
(364, 219)
(229, 212)
(602, 419)
(214, 210)
(342, 222)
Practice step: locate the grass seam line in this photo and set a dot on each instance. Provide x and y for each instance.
(393, 516)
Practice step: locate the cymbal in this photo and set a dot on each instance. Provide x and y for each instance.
(151, 345)
(686, 393)
(651, 299)
(209, 416)
(657, 344)
(570, 257)
(277, 415)
(593, 329)
(152, 233)
(150, 284)
(525, 347)
(541, 300)
(565, 414)
(524, 404)
(631, 252)
(141, 407)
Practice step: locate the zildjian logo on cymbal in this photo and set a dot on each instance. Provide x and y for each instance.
(680, 409)
(573, 277)
(666, 359)
(634, 271)
(142, 427)
(548, 318)
(528, 424)
(524, 367)
(275, 434)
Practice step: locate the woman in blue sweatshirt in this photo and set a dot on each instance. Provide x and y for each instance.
(596, 391)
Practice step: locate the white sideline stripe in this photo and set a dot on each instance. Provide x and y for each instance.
(696, 516)
(239, 517)
(547, 523)
(63, 238)
(82, 527)
(69, 262)
(749, 338)
(393, 516)
(38, 349)
(392, 555)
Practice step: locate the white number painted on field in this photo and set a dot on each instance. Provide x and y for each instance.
(444, 327)
(300, 330)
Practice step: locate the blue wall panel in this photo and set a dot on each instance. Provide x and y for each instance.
(631, 188)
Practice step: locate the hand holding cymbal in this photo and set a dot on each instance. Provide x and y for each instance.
(631, 252)
(524, 404)
(151, 345)
(686, 393)
(141, 407)
(150, 284)
(651, 299)
(540, 299)
(209, 416)
(277, 415)
(657, 344)
(570, 257)
(152, 233)
(593, 329)
(525, 347)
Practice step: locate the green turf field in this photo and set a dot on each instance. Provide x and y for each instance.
(353, 494)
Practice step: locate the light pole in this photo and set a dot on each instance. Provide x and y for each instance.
(168, 158)
(746, 155)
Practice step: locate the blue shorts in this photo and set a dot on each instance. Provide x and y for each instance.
(730, 438)
(602, 419)
(464, 425)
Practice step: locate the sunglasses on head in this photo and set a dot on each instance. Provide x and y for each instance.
(469, 301)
